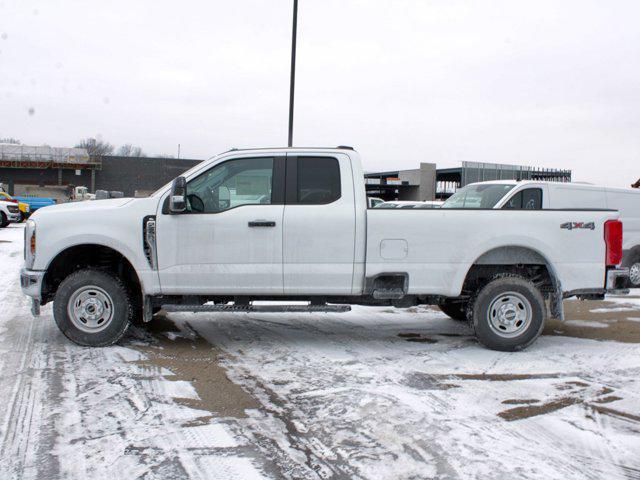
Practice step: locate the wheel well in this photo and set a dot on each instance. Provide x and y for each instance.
(631, 256)
(89, 255)
(514, 260)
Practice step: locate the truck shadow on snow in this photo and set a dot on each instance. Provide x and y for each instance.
(179, 346)
(587, 320)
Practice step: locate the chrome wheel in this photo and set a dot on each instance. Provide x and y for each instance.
(634, 274)
(509, 314)
(90, 309)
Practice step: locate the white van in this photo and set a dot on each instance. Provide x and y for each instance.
(535, 195)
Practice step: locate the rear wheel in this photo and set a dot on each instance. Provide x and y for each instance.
(508, 314)
(634, 274)
(455, 310)
(92, 308)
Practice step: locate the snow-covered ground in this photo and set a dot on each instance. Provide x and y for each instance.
(376, 393)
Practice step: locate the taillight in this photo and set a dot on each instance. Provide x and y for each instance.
(613, 241)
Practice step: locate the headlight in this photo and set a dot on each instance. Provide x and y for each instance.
(30, 243)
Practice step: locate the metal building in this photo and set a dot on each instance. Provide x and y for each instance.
(448, 180)
(25, 163)
(47, 171)
(428, 183)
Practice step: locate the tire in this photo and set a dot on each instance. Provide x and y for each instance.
(3, 220)
(634, 274)
(23, 217)
(508, 314)
(92, 308)
(455, 310)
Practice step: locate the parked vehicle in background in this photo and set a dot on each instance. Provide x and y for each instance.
(535, 195)
(292, 224)
(372, 202)
(9, 212)
(35, 203)
(105, 194)
(24, 207)
(410, 204)
(80, 194)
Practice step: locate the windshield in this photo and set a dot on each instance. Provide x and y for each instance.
(478, 196)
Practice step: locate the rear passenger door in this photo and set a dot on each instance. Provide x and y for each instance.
(318, 225)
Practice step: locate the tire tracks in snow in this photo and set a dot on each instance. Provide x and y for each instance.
(25, 386)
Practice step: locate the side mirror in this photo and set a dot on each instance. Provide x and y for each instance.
(178, 196)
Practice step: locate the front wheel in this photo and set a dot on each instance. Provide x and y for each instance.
(92, 308)
(508, 314)
(3, 220)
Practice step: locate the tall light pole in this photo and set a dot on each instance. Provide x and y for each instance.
(292, 84)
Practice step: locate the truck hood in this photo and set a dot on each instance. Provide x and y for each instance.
(85, 206)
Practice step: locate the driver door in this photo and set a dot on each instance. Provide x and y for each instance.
(229, 241)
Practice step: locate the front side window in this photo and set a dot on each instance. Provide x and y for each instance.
(478, 196)
(244, 181)
(527, 199)
(318, 180)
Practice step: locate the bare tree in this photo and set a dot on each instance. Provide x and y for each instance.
(10, 140)
(128, 150)
(95, 147)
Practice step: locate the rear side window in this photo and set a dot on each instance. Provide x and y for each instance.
(527, 199)
(318, 180)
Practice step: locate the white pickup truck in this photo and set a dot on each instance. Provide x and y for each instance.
(9, 212)
(293, 224)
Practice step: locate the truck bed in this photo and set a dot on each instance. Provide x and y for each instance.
(437, 247)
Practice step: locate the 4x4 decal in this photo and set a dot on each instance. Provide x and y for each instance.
(583, 225)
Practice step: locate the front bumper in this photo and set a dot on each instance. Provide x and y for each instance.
(617, 278)
(31, 283)
(13, 217)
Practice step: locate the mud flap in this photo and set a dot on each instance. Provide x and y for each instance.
(556, 305)
(147, 310)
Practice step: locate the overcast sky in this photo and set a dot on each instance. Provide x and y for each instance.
(543, 83)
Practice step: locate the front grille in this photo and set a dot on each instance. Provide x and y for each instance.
(13, 208)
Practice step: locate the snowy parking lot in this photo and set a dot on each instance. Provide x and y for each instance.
(375, 393)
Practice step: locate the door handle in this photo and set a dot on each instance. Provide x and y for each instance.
(262, 223)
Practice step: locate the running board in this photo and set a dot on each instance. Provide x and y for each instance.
(258, 308)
